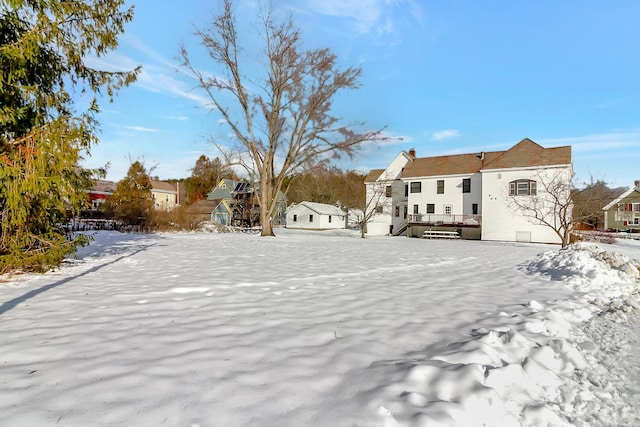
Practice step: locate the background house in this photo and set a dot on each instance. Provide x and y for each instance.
(97, 196)
(165, 195)
(472, 194)
(315, 216)
(237, 204)
(623, 213)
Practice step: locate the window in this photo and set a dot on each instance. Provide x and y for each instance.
(447, 209)
(397, 211)
(440, 186)
(415, 209)
(522, 187)
(379, 209)
(406, 211)
(406, 190)
(474, 209)
(329, 218)
(416, 187)
(431, 208)
(295, 218)
(466, 185)
(636, 207)
(387, 191)
(310, 218)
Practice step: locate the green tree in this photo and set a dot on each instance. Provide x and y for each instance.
(132, 202)
(281, 118)
(43, 51)
(204, 176)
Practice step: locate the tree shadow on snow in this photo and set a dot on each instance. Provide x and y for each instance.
(132, 250)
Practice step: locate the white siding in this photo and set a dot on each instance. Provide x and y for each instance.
(461, 203)
(499, 222)
(380, 224)
(303, 215)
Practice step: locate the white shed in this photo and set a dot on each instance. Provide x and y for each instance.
(315, 216)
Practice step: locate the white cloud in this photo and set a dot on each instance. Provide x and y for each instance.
(369, 16)
(141, 129)
(444, 134)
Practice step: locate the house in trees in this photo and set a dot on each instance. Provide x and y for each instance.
(97, 196)
(623, 213)
(471, 194)
(237, 205)
(165, 195)
(315, 216)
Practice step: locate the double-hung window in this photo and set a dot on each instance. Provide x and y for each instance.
(416, 187)
(440, 184)
(466, 185)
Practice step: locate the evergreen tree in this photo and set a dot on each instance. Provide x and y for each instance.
(43, 46)
(132, 201)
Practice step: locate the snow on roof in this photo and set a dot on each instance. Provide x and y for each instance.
(320, 208)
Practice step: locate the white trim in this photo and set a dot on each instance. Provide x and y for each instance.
(622, 196)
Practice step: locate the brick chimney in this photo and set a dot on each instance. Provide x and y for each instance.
(412, 152)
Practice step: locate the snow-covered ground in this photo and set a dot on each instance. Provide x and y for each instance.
(322, 329)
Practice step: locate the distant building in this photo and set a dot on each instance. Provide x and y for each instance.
(165, 195)
(234, 203)
(467, 193)
(623, 213)
(315, 216)
(97, 196)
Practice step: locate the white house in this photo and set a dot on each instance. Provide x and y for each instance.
(472, 194)
(315, 216)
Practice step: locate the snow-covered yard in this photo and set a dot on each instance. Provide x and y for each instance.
(322, 329)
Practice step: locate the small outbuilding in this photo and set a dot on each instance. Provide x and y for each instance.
(315, 216)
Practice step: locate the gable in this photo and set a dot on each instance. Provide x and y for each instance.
(527, 153)
(632, 195)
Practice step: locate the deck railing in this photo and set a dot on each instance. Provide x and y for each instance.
(439, 219)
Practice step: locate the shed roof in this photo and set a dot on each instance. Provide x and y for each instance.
(204, 206)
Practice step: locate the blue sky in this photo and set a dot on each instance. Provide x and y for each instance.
(448, 77)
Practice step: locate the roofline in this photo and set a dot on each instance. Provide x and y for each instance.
(559, 165)
(306, 204)
(620, 197)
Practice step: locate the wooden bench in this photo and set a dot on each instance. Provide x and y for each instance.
(439, 234)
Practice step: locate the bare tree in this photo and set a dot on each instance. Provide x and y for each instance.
(282, 121)
(550, 204)
(375, 202)
(588, 201)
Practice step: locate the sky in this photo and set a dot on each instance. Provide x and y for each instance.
(166, 329)
(443, 77)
